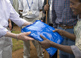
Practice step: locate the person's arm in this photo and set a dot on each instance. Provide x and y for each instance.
(21, 36)
(76, 51)
(66, 34)
(62, 47)
(14, 16)
(47, 43)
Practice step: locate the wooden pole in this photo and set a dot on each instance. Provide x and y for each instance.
(46, 53)
(46, 13)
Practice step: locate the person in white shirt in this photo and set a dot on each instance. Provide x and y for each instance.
(8, 12)
(16, 5)
(30, 11)
(11, 2)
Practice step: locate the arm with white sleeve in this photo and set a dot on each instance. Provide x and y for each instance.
(21, 36)
(14, 16)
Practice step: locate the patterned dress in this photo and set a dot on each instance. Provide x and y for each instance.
(77, 31)
(77, 47)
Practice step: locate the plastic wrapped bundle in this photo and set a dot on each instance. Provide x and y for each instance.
(39, 28)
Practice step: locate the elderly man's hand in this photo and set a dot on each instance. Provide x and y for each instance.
(24, 36)
(27, 23)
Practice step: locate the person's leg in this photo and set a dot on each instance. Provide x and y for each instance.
(26, 49)
(7, 48)
(55, 55)
(26, 43)
(71, 42)
(39, 49)
(63, 56)
(37, 46)
(61, 53)
(16, 5)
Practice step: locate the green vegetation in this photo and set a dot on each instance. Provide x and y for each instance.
(16, 44)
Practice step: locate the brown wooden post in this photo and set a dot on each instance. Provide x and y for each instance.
(46, 55)
(46, 13)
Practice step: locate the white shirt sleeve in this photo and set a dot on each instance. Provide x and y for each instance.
(14, 16)
(3, 30)
(76, 51)
(40, 4)
(20, 5)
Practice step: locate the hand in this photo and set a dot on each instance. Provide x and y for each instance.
(27, 23)
(46, 43)
(59, 31)
(10, 26)
(24, 36)
(46, 7)
(41, 20)
(30, 23)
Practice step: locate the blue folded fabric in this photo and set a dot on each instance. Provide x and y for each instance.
(39, 28)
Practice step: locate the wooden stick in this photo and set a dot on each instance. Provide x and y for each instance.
(46, 13)
(46, 54)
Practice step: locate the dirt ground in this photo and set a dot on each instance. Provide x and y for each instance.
(19, 53)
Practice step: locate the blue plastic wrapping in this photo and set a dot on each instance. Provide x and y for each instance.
(39, 28)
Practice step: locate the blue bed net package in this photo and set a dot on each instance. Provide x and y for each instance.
(39, 28)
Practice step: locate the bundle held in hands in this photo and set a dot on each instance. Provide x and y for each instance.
(39, 28)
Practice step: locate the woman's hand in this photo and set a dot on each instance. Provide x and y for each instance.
(24, 36)
(59, 31)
